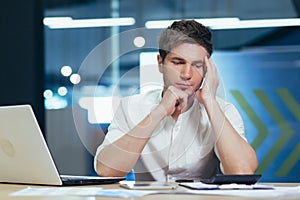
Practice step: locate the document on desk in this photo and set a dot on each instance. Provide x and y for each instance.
(203, 186)
(57, 191)
(261, 191)
(79, 191)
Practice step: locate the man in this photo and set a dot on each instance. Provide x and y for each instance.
(184, 131)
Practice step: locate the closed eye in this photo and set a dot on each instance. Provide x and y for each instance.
(178, 62)
(198, 66)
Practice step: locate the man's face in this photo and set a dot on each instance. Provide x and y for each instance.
(184, 67)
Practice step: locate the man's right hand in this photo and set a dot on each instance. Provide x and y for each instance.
(174, 100)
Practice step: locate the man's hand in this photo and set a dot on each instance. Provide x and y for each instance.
(174, 100)
(210, 85)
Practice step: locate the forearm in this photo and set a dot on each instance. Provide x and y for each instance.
(118, 158)
(235, 154)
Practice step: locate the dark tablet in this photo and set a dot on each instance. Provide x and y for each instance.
(228, 179)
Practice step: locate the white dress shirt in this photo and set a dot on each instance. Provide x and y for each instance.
(182, 149)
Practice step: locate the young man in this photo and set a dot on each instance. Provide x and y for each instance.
(184, 131)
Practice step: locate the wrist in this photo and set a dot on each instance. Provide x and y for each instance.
(210, 104)
(159, 112)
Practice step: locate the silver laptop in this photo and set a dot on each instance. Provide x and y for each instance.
(24, 155)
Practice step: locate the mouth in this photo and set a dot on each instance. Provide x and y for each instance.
(184, 86)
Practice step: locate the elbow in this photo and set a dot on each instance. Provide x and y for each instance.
(241, 170)
(105, 171)
(251, 166)
(254, 164)
(248, 166)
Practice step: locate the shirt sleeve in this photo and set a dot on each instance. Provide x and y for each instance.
(236, 120)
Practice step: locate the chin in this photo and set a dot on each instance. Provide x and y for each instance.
(189, 92)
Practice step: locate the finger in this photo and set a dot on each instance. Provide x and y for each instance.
(176, 99)
(183, 102)
(207, 63)
(180, 98)
(213, 66)
(214, 70)
(184, 106)
(172, 89)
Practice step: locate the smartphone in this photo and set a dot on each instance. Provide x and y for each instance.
(204, 77)
(133, 185)
(202, 82)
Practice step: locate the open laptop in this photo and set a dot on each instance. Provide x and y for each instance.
(24, 155)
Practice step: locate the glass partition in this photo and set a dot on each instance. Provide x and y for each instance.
(97, 51)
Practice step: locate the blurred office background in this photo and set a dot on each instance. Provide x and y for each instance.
(60, 56)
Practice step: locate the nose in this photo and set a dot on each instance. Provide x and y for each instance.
(186, 72)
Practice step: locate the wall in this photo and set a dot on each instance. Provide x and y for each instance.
(22, 53)
(264, 85)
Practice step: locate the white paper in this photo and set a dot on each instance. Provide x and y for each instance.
(77, 191)
(203, 186)
(57, 191)
(259, 193)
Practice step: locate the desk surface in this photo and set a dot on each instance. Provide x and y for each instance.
(7, 189)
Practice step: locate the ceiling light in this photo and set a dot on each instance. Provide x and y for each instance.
(206, 21)
(259, 23)
(67, 22)
(62, 91)
(48, 21)
(75, 79)
(139, 41)
(231, 23)
(48, 94)
(66, 70)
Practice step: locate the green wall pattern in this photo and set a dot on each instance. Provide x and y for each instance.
(293, 106)
(286, 130)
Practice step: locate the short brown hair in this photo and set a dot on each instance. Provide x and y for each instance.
(185, 31)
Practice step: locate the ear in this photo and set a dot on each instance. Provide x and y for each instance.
(160, 63)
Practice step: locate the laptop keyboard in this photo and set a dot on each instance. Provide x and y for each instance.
(72, 178)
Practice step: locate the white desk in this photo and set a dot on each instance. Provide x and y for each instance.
(7, 189)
